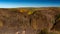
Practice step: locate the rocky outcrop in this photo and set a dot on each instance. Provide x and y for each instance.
(32, 21)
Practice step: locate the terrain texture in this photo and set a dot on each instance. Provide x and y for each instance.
(30, 20)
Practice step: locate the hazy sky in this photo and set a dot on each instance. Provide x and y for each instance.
(29, 3)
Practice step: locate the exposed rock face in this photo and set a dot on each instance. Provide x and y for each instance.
(13, 21)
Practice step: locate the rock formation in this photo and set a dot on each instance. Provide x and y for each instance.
(31, 20)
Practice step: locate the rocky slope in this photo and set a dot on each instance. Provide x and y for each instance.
(29, 20)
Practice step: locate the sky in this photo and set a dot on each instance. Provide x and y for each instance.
(29, 3)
